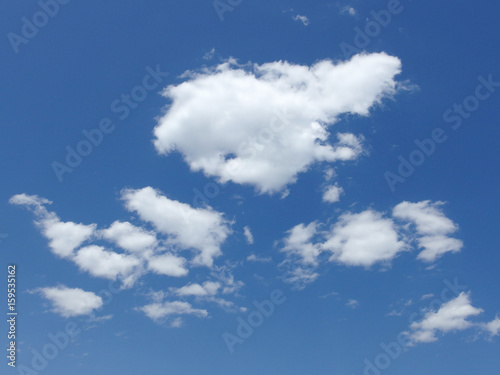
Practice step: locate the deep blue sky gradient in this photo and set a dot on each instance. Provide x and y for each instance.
(64, 80)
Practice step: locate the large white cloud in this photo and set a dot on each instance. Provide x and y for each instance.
(432, 226)
(264, 124)
(201, 229)
(69, 302)
(451, 316)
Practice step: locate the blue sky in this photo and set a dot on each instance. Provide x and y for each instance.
(251, 187)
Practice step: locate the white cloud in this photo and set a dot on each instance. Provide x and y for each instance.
(355, 240)
(179, 227)
(100, 262)
(451, 316)
(352, 303)
(248, 235)
(209, 55)
(255, 258)
(349, 10)
(69, 302)
(168, 264)
(226, 278)
(209, 288)
(64, 237)
(302, 19)
(332, 193)
(202, 229)
(184, 227)
(176, 323)
(299, 242)
(432, 227)
(363, 239)
(264, 100)
(159, 311)
(427, 296)
(493, 327)
(300, 275)
(130, 237)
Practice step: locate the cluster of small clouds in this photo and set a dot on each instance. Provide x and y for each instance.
(368, 238)
(180, 237)
(227, 121)
(165, 311)
(452, 316)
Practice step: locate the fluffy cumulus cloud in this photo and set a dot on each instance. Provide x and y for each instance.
(64, 237)
(100, 262)
(332, 193)
(70, 302)
(265, 124)
(200, 229)
(168, 264)
(299, 243)
(129, 237)
(451, 316)
(492, 328)
(363, 239)
(432, 226)
(367, 238)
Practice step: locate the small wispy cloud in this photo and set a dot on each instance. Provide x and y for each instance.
(209, 55)
(255, 258)
(348, 10)
(248, 235)
(302, 19)
(352, 303)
